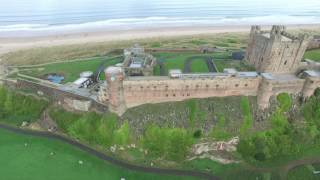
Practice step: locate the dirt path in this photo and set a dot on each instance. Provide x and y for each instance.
(112, 160)
(208, 59)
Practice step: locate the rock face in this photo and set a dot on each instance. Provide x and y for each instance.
(77, 104)
(276, 51)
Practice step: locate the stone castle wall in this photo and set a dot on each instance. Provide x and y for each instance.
(141, 91)
(126, 92)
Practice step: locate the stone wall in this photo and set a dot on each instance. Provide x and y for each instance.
(74, 101)
(137, 92)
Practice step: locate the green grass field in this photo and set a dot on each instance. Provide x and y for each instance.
(199, 65)
(27, 157)
(177, 61)
(313, 55)
(70, 70)
(303, 171)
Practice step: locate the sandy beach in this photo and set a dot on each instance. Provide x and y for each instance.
(14, 43)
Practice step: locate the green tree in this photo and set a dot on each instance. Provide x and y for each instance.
(121, 136)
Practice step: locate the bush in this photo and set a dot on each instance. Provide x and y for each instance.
(16, 108)
(218, 132)
(91, 127)
(285, 101)
(247, 120)
(197, 133)
(121, 136)
(173, 144)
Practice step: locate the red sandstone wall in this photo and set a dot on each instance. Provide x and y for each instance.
(139, 92)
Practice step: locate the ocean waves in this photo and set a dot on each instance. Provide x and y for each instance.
(153, 22)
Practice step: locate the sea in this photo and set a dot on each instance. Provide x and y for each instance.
(52, 17)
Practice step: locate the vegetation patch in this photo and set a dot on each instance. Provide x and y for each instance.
(313, 55)
(70, 70)
(16, 108)
(285, 101)
(29, 157)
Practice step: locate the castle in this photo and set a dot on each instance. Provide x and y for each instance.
(275, 51)
(276, 55)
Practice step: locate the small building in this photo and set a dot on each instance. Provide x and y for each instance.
(137, 62)
(175, 73)
(85, 80)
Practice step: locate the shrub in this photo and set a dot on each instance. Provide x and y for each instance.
(121, 136)
(173, 144)
(247, 120)
(285, 101)
(16, 108)
(197, 133)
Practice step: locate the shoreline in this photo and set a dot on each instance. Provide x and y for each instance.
(12, 44)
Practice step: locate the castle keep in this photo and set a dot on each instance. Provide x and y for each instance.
(276, 55)
(275, 51)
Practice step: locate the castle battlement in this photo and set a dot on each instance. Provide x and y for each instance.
(276, 55)
(276, 50)
(125, 92)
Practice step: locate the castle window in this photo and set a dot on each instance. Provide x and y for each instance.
(174, 95)
(155, 87)
(261, 59)
(167, 95)
(246, 85)
(147, 86)
(207, 86)
(237, 85)
(197, 86)
(188, 94)
(285, 62)
(187, 86)
(311, 82)
(166, 86)
(141, 87)
(217, 85)
(279, 53)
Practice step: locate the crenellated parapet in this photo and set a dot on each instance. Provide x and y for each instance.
(276, 51)
(124, 92)
(312, 82)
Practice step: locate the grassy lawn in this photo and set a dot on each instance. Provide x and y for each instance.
(28, 157)
(313, 55)
(70, 70)
(304, 172)
(199, 65)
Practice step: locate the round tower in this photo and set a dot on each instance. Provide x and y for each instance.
(264, 93)
(309, 87)
(114, 78)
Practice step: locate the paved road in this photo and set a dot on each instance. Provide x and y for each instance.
(107, 158)
(208, 59)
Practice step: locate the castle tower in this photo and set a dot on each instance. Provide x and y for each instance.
(114, 89)
(312, 82)
(264, 91)
(275, 51)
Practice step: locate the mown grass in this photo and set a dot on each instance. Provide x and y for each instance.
(302, 172)
(29, 157)
(199, 65)
(70, 70)
(313, 55)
